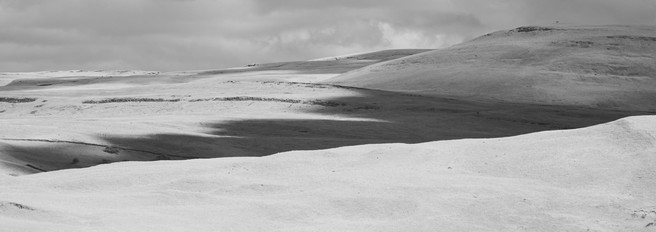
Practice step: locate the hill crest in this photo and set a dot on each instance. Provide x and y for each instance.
(611, 67)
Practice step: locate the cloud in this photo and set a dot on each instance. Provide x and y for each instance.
(205, 34)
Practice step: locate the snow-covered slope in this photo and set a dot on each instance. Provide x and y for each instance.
(383, 55)
(599, 178)
(7, 77)
(610, 67)
(59, 122)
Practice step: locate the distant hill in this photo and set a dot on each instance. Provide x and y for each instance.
(383, 55)
(609, 67)
(326, 65)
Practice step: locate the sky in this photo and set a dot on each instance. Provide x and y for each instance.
(175, 35)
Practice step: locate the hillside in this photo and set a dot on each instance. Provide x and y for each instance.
(59, 123)
(599, 178)
(607, 67)
(77, 119)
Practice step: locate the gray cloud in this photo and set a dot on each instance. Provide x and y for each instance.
(204, 34)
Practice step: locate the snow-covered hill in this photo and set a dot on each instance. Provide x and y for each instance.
(609, 67)
(599, 178)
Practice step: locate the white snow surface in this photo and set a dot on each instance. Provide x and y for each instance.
(86, 73)
(599, 178)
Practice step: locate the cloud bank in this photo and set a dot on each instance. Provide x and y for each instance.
(170, 35)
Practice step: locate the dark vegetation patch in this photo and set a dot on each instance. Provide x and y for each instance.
(317, 102)
(111, 150)
(35, 167)
(129, 99)
(619, 69)
(17, 100)
(630, 37)
(247, 98)
(324, 103)
(532, 29)
(363, 107)
(5, 204)
(270, 99)
(312, 85)
(574, 44)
